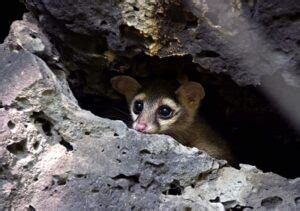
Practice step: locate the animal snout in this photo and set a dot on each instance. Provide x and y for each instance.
(140, 127)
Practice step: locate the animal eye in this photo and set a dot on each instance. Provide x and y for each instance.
(165, 112)
(138, 107)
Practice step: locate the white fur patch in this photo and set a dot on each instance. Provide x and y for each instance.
(149, 113)
(169, 102)
(141, 97)
(165, 124)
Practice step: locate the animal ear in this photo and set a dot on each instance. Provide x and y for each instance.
(190, 94)
(126, 86)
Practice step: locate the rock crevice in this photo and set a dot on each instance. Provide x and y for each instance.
(55, 155)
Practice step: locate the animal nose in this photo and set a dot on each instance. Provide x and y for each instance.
(141, 127)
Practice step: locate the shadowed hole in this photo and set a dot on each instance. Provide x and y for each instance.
(216, 200)
(11, 125)
(17, 148)
(174, 188)
(95, 190)
(36, 145)
(32, 35)
(103, 22)
(66, 144)
(133, 178)
(40, 118)
(238, 207)
(297, 201)
(145, 151)
(81, 175)
(1, 170)
(135, 8)
(271, 202)
(59, 180)
(207, 53)
(30, 208)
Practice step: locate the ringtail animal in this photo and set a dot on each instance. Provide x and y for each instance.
(161, 107)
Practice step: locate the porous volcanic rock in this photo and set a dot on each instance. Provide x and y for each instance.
(56, 156)
(245, 39)
(254, 42)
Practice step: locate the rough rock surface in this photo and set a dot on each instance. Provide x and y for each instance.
(56, 156)
(231, 36)
(255, 42)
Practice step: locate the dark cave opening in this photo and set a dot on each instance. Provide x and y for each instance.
(258, 133)
(10, 11)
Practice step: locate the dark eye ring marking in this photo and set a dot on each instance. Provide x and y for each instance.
(165, 112)
(138, 107)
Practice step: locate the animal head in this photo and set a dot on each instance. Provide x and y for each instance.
(160, 107)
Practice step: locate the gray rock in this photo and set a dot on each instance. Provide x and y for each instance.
(56, 156)
(247, 40)
(255, 42)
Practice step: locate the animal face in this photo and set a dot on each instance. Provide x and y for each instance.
(159, 108)
(154, 115)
